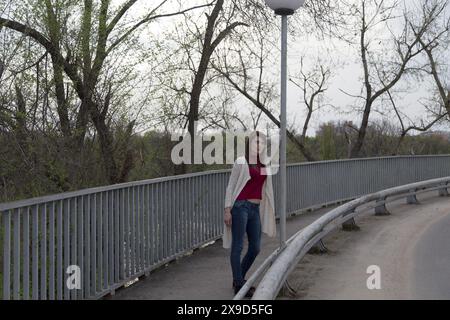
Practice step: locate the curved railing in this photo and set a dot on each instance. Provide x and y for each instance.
(118, 233)
(281, 263)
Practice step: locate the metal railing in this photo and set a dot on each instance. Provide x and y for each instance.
(280, 264)
(118, 233)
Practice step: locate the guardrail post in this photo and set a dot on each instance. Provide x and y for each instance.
(412, 199)
(380, 209)
(444, 191)
(318, 248)
(350, 225)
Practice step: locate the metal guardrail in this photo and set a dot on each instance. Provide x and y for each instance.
(114, 234)
(118, 233)
(284, 260)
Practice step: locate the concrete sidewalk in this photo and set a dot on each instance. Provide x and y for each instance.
(206, 274)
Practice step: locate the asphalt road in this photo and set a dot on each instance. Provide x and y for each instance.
(411, 247)
(432, 262)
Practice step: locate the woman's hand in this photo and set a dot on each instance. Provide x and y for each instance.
(227, 217)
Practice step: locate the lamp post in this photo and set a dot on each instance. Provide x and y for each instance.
(447, 86)
(284, 8)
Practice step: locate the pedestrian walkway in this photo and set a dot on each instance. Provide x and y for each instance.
(206, 274)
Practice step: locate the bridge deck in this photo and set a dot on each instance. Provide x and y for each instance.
(207, 273)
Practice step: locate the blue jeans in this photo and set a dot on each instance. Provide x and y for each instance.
(245, 219)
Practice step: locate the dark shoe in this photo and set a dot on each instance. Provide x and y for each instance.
(249, 293)
(251, 290)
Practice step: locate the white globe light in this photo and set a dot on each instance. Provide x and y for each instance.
(284, 7)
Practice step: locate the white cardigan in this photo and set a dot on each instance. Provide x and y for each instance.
(238, 179)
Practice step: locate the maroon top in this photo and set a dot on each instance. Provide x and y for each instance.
(253, 188)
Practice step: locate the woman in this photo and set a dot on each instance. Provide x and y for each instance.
(249, 208)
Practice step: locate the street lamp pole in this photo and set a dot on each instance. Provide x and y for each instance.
(448, 94)
(283, 187)
(448, 89)
(284, 8)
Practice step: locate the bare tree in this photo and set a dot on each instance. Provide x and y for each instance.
(377, 72)
(406, 129)
(436, 39)
(244, 64)
(210, 43)
(313, 86)
(188, 75)
(439, 40)
(82, 59)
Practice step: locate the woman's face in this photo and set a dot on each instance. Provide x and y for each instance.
(257, 146)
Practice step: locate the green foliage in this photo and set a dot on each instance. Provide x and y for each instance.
(327, 144)
(46, 164)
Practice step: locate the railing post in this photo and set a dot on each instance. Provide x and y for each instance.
(6, 255)
(350, 225)
(443, 192)
(380, 209)
(412, 199)
(318, 248)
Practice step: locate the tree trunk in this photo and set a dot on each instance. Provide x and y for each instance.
(356, 150)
